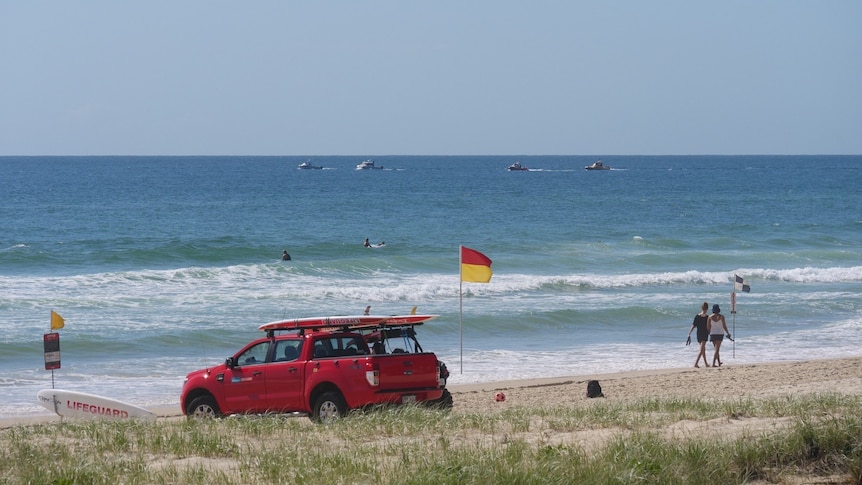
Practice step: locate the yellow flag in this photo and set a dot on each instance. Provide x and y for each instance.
(57, 321)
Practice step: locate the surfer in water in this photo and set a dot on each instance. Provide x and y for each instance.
(369, 245)
(285, 256)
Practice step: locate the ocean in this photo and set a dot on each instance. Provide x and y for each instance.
(163, 265)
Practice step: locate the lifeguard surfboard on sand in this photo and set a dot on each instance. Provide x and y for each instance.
(73, 404)
(351, 322)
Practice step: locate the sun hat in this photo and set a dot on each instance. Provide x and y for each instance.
(716, 309)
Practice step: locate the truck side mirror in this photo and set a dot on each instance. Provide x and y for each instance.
(230, 362)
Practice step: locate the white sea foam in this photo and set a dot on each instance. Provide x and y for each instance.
(193, 284)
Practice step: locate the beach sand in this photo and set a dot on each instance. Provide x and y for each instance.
(726, 382)
(729, 382)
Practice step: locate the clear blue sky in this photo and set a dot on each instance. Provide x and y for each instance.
(358, 77)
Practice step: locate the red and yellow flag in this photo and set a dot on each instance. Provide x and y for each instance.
(475, 266)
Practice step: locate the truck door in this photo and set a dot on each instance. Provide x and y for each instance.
(340, 359)
(284, 377)
(245, 384)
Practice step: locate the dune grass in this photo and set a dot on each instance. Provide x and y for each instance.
(604, 442)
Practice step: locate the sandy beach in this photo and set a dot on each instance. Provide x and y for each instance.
(843, 376)
(726, 382)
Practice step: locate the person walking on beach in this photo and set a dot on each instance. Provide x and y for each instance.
(700, 323)
(717, 330)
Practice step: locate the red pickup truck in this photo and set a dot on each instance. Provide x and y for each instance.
(323, 367)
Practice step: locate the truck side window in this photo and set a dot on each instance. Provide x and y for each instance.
(355, 346)
(287, 350)
(320, 350)
(255, 355)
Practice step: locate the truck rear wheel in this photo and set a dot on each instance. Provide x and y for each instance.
(444, 402)
(328, 407)
(203, 407)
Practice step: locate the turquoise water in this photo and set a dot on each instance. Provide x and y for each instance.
(162, 265)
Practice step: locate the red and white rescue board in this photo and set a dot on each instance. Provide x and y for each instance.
(316, 323)
(407, 319)
(73, 404)
(350, 321)
(397, 320)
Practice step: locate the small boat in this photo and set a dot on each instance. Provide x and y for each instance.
(598, 165)
(517, 167)
(306, 165)
(368, 165)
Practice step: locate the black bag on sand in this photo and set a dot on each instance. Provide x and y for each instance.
(594, 389)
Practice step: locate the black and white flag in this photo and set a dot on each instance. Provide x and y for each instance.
(739, 284)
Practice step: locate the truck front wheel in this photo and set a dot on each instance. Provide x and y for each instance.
(328, 407)
(203, 407)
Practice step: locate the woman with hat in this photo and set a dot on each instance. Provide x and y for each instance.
(717, 329)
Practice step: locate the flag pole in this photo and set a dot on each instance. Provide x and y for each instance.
(733, 325)
(741, 285)
(478, 271)
(51, 330)
(461, 304)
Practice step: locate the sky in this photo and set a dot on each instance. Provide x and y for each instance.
(399, 77)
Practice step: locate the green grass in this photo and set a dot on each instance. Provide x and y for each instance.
(605, 442)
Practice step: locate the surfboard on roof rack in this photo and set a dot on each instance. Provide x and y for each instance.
(317, 323)
(395, 321)
(348, 322)
(411, 319)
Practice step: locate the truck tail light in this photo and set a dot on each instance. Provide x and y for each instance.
(372, 375)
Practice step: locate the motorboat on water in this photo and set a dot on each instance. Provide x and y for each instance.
(517, 167)
(368, 165)
(306, 165)
(598, 165)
